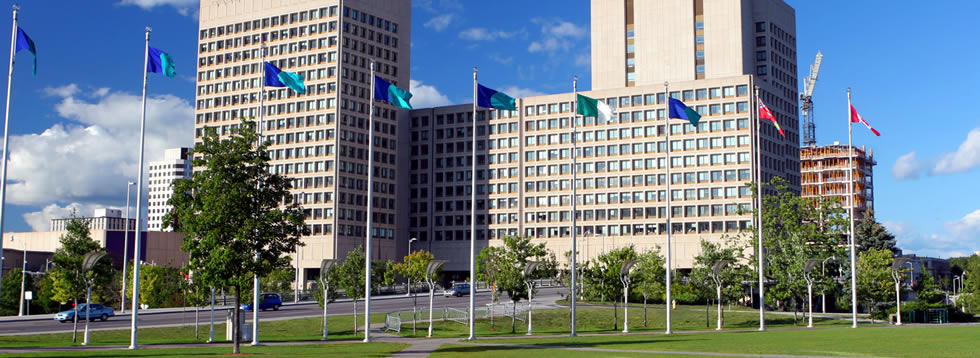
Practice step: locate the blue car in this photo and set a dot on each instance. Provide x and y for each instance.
(266, 301)
(98, 311)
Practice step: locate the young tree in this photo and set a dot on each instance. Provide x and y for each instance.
(731, 276)
(10, 301)
(238, 218)
(874, 280)
(490, 265)
(517, 251)
(650, 277)
(413, 267)
(870, 234)
(612, 287)
(349, 275)
(926, 288)
(67, 276)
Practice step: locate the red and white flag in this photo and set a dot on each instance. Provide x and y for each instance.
(856, 118)
(765, 113)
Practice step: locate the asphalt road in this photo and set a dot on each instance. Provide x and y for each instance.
(288, 311)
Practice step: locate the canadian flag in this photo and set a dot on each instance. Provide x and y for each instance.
(765, 113)
(856, 118)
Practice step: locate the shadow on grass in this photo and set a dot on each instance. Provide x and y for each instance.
(623, 342)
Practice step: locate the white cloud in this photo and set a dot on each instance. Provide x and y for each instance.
(965, 158)
(482, 34)
(426, 96)
(431, 6)
(502, 60)
(557, 34)
(907, 167)
(967, 227)
(583, 59)
(41, 220)
(518, 92)
(89, 157)
(961, 237)
(183, 7)
(440, 22)
(63, 91)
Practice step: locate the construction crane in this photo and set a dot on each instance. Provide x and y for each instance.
(809, 128)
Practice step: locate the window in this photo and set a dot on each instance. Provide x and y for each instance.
(760, 27)
(762, 70)
(760, 41)
(699, 55)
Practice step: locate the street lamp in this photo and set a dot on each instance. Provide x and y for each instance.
(122, 304)
(529, 282)
(88, 262)
(823, 294)
(430, 272)
(409, 291)
(23, 275)
(897, 275)
(624, 277)
(716, 276)
(302, 196)
(955, 285)
(325, 266)
(810, 264)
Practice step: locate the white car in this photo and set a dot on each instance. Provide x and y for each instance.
(458, 290)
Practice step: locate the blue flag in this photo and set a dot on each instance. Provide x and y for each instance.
(159, 61)
(274, 77)
(24, 42)
(681, 111)
(385, 91)
(491, 98)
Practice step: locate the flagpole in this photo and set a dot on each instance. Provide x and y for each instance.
(473, 219)
(669, 227)
(370, 192)
(134, 329)
(758, 194)
(574, 174)
(255, 277)
(6, 124)
(850, 202)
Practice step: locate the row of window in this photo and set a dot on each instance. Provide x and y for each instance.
(593, 231)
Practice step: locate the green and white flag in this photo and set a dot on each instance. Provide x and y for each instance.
(590, 107)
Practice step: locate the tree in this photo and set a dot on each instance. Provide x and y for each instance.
(874, 281)
(490, 265)
(238, 218)
(349, 275)
(159, 286)
(611, 286)
(413, 267)
(731, 276)
(517, 251)
(67, 277)
(278, 280)
(650, 277)
(10, 301)
(794, 231)
(926, 288)
(870, 234)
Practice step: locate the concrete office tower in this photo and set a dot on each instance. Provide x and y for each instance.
(174, 165)
(824, 170)
(319, 139)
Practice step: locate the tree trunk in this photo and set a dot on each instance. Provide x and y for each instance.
(615, 315)
(793, 300)
(644, 311)
(197, 317)
(355, 316)
(493, 299)
(236, 335)
(74, 330)
(513, 318)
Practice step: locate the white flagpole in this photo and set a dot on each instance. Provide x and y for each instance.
(255, 277)
(134, 329)
(669, 227)
(122, 300)
(370, 194)
(574, 171)
(472, 320)
(6, 125)
(758, 194)
(850, 202)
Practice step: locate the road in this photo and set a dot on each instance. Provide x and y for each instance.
(288, 311)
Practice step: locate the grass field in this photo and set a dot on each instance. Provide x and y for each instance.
(918, 341)
(301, 329)
(292, 351)
(600, 320)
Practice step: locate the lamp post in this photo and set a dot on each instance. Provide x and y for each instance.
(954, 284)
(23, 276)
(624, 277)
(823, 294)
(716, 270)
(302, 196)
(88, 262)
(122, 304)
(529, 282)
(810, 264)
(430, 273)
(325, 266)
(897, 276)
(409, 291)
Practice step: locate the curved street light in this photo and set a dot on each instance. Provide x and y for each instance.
(88, 262)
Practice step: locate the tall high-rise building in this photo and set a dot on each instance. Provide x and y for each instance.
(713, 53)
(318, 139)
(174, 165)
(824, 173)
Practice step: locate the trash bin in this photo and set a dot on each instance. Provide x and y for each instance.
(230, 323)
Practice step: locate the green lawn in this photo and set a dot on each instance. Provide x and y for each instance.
(474, 351)
(600, 320)
(340, 328)
(311, 350)
(917, 341)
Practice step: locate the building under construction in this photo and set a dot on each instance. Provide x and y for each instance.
(824, 175)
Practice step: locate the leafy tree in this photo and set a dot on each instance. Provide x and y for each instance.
(10, 301)
(278, 280)
(349, 275)
(971, 287)
(875, 284)
(926, 288)
(794, 231)
(490, 265)
(611, 263)
(731, 276)
(517, 251)
(388, 278)
(45, 301)
(870, 234)
(413, 267)
(238, 218)
(67, 276)
(650, 277)
(159, 286)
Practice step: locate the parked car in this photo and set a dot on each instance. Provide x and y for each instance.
(266, 301)
(458, 290)
(98, 311)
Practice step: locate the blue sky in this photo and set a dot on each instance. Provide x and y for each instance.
(910, 65)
